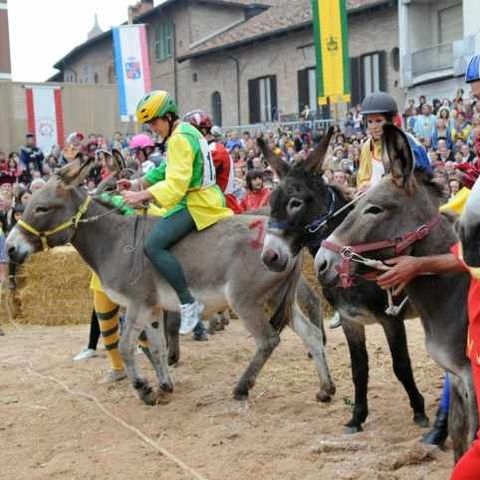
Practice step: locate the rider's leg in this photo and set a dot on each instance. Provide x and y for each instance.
(164, 234)
(107, 314)
(468, 467)
(439, 433)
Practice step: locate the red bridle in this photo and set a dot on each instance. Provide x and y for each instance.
(352, 253)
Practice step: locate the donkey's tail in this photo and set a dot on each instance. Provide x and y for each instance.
(287, 294)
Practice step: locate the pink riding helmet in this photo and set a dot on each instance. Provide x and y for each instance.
(142, 140)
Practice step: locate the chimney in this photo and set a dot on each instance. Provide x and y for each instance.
(138, 9)
(5, 65)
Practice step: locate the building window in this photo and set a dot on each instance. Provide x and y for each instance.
(307, 89)
(373, 73)
(450, 24)
(262, 95)
(111, 74)
(95, 77)
(217, 108)
(163, 41)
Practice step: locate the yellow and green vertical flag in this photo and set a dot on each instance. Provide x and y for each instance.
(331, 48)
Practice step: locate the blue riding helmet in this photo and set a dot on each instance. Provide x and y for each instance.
(473, 70)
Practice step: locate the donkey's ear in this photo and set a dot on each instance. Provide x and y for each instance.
(75, 172)
(400, 155)
(119, 163)
(315, 159)
(278, 164)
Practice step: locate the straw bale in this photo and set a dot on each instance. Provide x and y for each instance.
(309, 274)
(53, 289)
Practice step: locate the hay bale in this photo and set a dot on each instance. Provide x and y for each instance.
(309, 274)
(53, 289)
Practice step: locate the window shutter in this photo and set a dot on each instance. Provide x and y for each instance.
(303, 93)
(383, 71)
(273, 93)
(253, 101)
(356, 80)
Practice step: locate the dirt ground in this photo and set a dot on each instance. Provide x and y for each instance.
(280, 433)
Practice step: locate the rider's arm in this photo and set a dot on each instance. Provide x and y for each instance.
(178, 173)
(406, 268)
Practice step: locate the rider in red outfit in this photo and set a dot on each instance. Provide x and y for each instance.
(224, 169)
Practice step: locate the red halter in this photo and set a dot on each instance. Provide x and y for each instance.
(400, 244)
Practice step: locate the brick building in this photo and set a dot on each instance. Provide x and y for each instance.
(5, 65)
(245, 61)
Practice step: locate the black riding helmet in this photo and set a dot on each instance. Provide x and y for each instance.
(379, 102)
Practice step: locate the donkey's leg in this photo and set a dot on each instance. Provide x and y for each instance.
(397, 341)
(266, 339)
(470, 402)
(313, 338)
(355, 333)
(311, 303)
(135, 323)
(158, 350)
(458, 417)
(172, 325)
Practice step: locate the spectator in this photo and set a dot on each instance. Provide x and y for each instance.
(257, 196)
(461, 128)
(233, 142)
(442, 131)
(31, 155)
(425, 122)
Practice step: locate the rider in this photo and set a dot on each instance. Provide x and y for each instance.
(406, 268)
(224, 169)
(185, 186)
(379, 108)
(142, 146)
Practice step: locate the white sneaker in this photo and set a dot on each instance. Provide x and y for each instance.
(190, 315)
(85, 354)
(113, 376)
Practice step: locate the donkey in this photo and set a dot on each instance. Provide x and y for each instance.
(299, 205)
(111, 245)
(404, 207)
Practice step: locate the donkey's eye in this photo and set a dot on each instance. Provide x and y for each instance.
(41, 210)
(295, 204)
(374, 210)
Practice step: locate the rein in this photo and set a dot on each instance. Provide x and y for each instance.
(70, 223)
(352, 253)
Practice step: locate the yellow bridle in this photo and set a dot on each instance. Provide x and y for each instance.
(72, 222)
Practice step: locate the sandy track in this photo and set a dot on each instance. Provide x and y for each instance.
(280, 433)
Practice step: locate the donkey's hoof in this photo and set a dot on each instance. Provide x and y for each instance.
(163, 397)
(421, 420)
(150, 398)
(351, 429)
(166, 387)
(240, 394)
(326, 393)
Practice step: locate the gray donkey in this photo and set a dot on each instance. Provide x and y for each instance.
(400, 216)
(299, 205)
(222, 265)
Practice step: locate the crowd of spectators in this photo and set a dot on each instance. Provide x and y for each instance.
(447, 128)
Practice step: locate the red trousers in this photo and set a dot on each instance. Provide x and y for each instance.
(468, 467)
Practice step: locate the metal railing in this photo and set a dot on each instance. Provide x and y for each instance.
(433, 59)
(253, 128)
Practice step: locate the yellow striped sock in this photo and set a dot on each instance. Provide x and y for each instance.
(107, 314)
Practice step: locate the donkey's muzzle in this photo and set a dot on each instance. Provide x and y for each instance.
(274, 260)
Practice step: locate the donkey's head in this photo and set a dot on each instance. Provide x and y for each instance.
(48, 209)
(470, 228)
(400, 203)
(300, 198)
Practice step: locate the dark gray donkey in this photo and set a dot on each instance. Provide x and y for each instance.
(222, 265)
(401, 214)
(299, 206)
